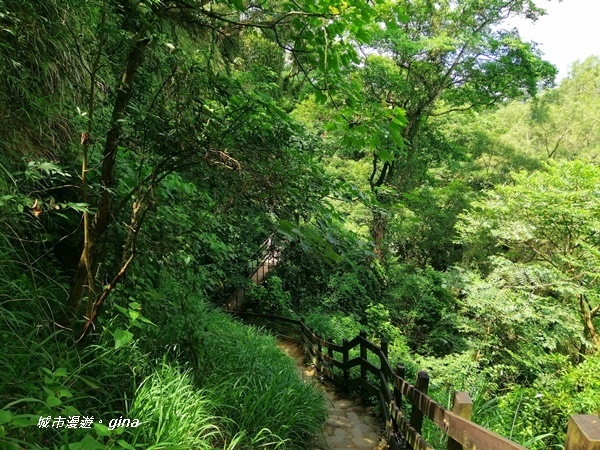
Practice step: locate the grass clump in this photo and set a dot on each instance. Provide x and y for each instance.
(252, 384)
(173, 412)
(220, 384)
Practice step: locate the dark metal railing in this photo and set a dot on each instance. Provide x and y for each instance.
(255, 270)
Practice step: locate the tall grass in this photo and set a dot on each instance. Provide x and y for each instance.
(255, 386)
(244, 395)
(173, 413)
(237, 391)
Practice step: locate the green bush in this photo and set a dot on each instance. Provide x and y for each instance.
(254, 385)
(239, 391)
(173, 413)
(336, 325)
(269, 298)
(422, 305)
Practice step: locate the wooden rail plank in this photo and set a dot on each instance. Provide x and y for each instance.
(338, 379)
(360, 383)
(385, 403)
(373, 348)
(312, 336)
(387, 370)
(353, 383)
(385, 389)
(369, 387)
(355, 342)
(411, 435)
(462, 406)
(465, 432)
(370, 367)
(335, 347)
(355, 362)
(360, 362)
(416, 415)
(473, 436)
(333, 362)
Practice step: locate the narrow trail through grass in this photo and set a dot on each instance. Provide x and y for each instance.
(350, 425)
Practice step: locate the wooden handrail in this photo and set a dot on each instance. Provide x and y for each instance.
(583, 431)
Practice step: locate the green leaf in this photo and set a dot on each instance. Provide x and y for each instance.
(53, 401)
(60, 372)
(5, 416)
(125, 445)
(71, 411)
(87, 443)
(25, 420)
(392, 25)
(48, 390)
(362, 35)
(101, 429)
(148, 321)
(65, 393)
(385, 155)
(122, 337)
(121, 309)
(330, 126)
(238, 4)
(320, 96)
(89, 383)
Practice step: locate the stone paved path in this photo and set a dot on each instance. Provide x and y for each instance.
(350, 426)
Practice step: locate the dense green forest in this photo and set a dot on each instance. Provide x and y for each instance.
(422, 174)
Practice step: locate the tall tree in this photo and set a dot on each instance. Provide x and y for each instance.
(134, 35)
(449, 56)
(561, 123)
(546, 222)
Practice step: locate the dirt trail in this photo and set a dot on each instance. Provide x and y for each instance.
(350, 426)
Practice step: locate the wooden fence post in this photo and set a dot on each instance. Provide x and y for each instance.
(397, 396)
(319, 353)
(400, 372)
(583, 433)
(463, 407)
(329, 349)
(384, 347)
(345, 359)
(302, 336)
(363, 355)
(416, 415)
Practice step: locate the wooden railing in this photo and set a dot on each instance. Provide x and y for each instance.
(387, 383)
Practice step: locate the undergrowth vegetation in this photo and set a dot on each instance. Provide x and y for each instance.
(244, 392)
(401, 157)
(223, 385)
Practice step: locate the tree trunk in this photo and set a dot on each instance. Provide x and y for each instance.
(83, 280)
(138, 214)
(378, 230)
(398, 175)
(588, 318)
